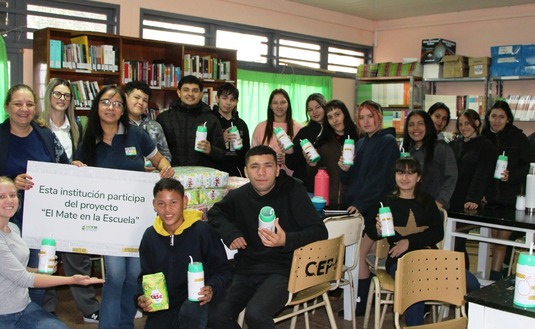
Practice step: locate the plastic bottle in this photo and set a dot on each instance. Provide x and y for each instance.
(283, 138)
(237, 142)
(195, 280)
(266, 218)
(348, 152)
(530, 189)
(321, 184)
(501, 166)
(200, 135)
(387, 221)
(310, 151)
(47, 256)
(525, 280)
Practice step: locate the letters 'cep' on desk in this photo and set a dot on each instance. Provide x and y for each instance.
(492, 307)
(488, 218)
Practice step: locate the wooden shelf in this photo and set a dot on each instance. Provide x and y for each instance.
(126, 49)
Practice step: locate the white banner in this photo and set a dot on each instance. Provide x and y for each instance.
(87, 209)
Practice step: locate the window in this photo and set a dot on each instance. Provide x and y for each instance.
(258, 48)
(300, 53)
(251, 48)
(19, 18)
(180, 33)
(345, 60)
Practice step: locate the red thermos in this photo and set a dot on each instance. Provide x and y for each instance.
(321, 184)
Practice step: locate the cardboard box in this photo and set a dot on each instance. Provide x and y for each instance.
(433, 50)
(479, 67)
(433, 71)
(455, 66)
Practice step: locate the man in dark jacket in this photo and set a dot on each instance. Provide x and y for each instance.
(180, 123)
(225, 111)
(264, 258)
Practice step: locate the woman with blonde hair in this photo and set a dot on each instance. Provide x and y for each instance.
(25, 138)
(59, 115)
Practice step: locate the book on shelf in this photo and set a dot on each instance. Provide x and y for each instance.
(84, 92)
(522, 106)
(206, 67)
(156, 74)
(208, 96)
(458, 103)
(79, 55)
(56, 47)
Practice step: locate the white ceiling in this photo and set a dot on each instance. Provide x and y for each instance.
(393, 9)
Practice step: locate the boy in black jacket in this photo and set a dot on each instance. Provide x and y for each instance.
(264, 258)
(177, 234)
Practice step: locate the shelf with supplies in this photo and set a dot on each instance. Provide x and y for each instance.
(398, 95)
(94, 59)
(456, 102)
(492, 87)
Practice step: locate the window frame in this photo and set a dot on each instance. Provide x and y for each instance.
(17, 26)
(273, 36)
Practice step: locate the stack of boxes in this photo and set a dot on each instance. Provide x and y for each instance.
(512, 60)
(433, 51)
(505, 60)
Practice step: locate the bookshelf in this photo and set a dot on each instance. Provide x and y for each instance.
(398, 95)
(58, 54)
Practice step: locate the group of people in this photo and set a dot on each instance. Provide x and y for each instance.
(439, 173)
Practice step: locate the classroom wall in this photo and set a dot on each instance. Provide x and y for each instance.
(274, 14)
(473, 31)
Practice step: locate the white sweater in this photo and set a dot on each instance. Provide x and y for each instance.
(14, 278)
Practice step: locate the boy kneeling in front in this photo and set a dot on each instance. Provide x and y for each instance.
(166, 246)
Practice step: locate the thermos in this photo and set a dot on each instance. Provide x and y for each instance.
(321, 184)
(387, 221)
(310, 151)
(501, 166)
(266, 218)
(47, 256)
(283, 138)
(525, 280)
(237, 142)
(200, 135)
(348, 152)
(195, 280)
(530, 189)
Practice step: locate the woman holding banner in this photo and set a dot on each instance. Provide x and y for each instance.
(25, 138)
(111, 142)
(17, 310)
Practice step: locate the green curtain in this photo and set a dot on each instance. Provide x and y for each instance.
(255, 88)
(4, 83)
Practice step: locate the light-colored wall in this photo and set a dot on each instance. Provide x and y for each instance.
(279, 15)
(474, 33)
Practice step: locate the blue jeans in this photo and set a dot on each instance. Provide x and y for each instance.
(263, 296)
(32, 317)
(191, 315)
(118, 306)
(37, 295)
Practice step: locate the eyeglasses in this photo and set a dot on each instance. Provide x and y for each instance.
(116, 105)
(405, 172)
(58, 95)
